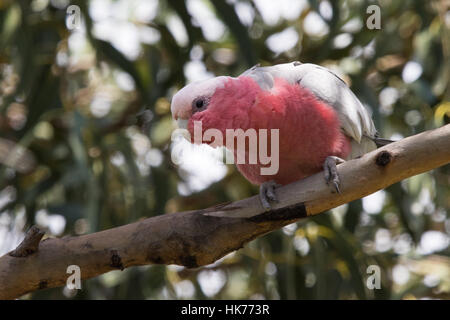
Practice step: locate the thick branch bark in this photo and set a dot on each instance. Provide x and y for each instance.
(197, 238)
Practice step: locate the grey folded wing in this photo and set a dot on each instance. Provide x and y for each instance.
(356, 121)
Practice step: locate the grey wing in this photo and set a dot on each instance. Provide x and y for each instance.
(355, 119)
(265, 76)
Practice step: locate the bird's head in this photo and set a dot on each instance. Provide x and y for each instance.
(218, 103)
(195, 98)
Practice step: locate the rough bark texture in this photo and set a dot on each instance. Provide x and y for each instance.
(197, 238)
(30, 243)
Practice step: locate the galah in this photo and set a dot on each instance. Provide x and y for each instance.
(321, 122)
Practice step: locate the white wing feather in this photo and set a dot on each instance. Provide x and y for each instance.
(355, 119)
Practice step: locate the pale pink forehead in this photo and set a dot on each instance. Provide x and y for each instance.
(182, 100)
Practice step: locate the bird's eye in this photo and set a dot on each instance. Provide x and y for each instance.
(199, 103)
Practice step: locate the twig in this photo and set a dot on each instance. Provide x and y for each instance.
(30, 244)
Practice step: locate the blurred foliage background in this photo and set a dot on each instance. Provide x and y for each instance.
(85, 138)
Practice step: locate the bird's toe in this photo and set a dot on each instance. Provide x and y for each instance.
(331, 173)
(267, 194)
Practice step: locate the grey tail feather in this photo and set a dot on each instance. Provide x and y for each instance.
(380, 142)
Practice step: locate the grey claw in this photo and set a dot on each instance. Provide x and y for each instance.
(267, 194)
(265, 203)
(336, 186)
(270, 193)
(327, 175)
(331, 173)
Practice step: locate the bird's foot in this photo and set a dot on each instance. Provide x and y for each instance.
(330, 169)
(267, 193)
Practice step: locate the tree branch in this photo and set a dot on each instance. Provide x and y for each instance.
(197, 238)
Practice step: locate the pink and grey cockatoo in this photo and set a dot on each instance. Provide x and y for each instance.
(321, 122)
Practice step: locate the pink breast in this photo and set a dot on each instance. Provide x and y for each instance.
(309, 131)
